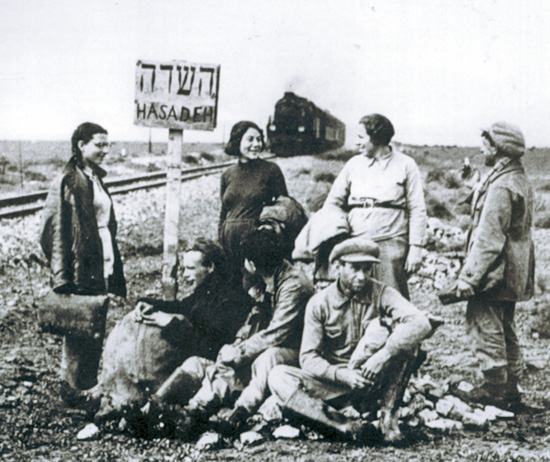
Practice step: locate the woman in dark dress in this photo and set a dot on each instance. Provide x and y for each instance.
(245, 189)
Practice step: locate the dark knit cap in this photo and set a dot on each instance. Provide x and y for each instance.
(357, 249)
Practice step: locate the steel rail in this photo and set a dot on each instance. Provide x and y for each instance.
(26, 204)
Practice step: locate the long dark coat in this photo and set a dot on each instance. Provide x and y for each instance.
(501, 258)
(70, 237)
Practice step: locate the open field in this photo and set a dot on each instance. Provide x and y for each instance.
(35, 426)
(28, 166)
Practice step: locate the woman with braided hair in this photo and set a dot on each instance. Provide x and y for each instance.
(78, 239)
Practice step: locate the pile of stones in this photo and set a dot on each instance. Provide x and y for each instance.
(426, 405)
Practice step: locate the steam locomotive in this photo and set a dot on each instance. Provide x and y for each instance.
(300, 127)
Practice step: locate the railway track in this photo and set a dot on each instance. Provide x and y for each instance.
(27, 204)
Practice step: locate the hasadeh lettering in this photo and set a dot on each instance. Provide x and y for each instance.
(201, 114)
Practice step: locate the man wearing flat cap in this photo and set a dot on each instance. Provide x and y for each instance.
(380, 189)
(499, 267)
(359, 345)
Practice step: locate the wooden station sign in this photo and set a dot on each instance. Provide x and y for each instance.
(176, 94)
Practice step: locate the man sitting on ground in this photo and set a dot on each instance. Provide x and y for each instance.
(150, 342)
(359, 345)
(271, 335)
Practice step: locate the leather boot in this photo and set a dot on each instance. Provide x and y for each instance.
(232, 422)
(328, 420)
(486, 394)
(513, 396)
(396, 382)
(179, 387)
(191, 423)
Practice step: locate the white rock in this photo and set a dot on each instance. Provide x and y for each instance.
(466, 387)
(427, 415)
(498, 413)
(444, 424)
(475, 419)
(437, 392)
(444, 407)
(459, 408)
(122, 425)
(286, 431)
(208, 440)
(404, 412)
(351, 412)
(414, 422)
(424, 384)
(270, 410)
(485, 415)
(406, 396)
(249, 438)
(417, 403)
(89, 432)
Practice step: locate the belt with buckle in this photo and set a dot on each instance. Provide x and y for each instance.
(370, 203)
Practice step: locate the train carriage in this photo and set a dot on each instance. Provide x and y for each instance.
(300, 127)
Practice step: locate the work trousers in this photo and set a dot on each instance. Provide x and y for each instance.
(215, 385)
(391, 269)
(284, 381)
(491, 327)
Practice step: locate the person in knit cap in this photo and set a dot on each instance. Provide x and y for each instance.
(498, 270)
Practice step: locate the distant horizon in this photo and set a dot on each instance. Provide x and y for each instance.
(221, 143)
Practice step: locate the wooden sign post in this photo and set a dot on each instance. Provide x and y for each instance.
(176, 95)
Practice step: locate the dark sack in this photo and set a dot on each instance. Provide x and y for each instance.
(73, 315)
(288, 211)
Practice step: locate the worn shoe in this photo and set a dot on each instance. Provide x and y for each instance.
(190, 423)
(516, 405)
(364, 433)
(232, 421)
(486, 394)
(79, 399)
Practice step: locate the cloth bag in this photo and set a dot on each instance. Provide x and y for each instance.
(140, 353)
(73, 315)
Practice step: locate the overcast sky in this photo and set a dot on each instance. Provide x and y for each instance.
(439, 69)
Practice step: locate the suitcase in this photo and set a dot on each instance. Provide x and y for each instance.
(73, 315)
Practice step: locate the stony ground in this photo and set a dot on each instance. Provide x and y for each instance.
(36, 426)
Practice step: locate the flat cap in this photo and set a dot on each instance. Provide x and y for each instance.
(508, 138)
(356, 249)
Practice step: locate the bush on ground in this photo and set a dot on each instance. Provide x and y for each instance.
(327, 177)
(542, 212)
(436, 207)
(208, 157)
(342, 155)
(152, 167)
(35, 176)
(446, 178)
(188, 159)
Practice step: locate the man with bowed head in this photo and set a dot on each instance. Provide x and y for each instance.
(360, 344)
(500, 263)
(381, 191)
